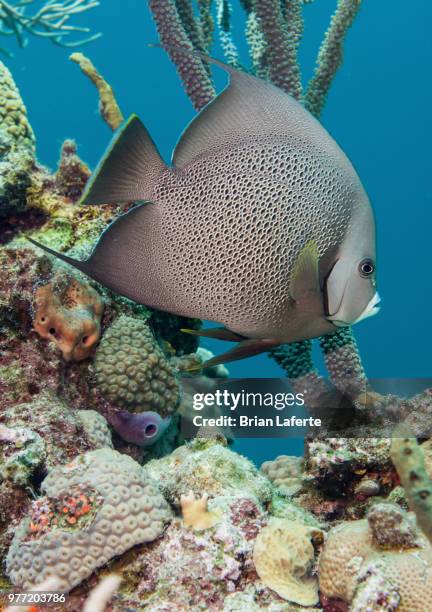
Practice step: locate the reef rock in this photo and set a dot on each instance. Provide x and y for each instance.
(208, 466)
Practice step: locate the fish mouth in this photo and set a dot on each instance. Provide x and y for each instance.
(372, 308)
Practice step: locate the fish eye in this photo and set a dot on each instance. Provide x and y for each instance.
(150, 430)
(366, 267)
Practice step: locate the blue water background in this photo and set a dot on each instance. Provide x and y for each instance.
(378, 111)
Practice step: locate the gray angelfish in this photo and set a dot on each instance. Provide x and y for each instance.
(261, 222)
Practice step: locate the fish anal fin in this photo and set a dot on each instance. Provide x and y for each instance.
(246, 348)
(305, 275)
(217, 333)
(79, 265)
(129, 168)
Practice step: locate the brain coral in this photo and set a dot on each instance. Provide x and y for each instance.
(354, 554)
(285, 472)
(69, 312)
(95, 508)
(132, 371)
(284, 558)
(16, 147)
(96, 428)
(13, 113)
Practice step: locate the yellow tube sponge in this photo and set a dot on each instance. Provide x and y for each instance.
(108, 107)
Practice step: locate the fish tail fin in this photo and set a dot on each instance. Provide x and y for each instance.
(79, 265)
(129, 168)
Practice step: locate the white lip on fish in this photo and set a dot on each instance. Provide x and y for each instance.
(371, 309)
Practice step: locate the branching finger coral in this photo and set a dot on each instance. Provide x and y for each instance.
(343, 361)
(296, 360)
(191, 25)
(224, 10)
(50, 21)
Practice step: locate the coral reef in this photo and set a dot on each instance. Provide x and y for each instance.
(68, 312)
(199, 526)
(22, 451)
(61, 429)
(17, 146)
(16, 131)
(132, 371)
(95, 508)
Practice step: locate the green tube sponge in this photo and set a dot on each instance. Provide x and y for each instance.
(408, 459)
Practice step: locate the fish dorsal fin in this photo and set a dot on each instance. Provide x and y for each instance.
(305, 275)
(247, 107)
(129, 169)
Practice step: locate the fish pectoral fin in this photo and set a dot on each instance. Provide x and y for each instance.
(305, 275)
(246, 348)
(218, 333)
(128, 170)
